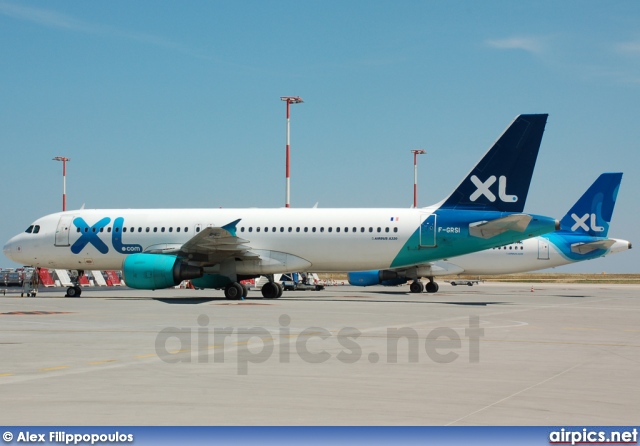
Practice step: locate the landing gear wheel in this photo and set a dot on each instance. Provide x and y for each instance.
(416, 287)
(270, 290)
(432, 287)
(73, 291)
(233, 291)
(280, 289)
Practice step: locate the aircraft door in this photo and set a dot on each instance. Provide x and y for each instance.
(62, 231)
(543, 249)
(428, 231)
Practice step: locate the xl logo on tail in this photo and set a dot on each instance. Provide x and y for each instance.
(581, 223)
(482, 188)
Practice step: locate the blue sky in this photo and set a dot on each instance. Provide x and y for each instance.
(176, 104)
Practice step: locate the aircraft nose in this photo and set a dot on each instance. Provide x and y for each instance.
(7, 248)
(10, 250)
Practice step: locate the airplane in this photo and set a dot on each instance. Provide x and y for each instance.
(582, 236)
(218, 248)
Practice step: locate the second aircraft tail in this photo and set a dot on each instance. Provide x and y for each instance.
(591, 215)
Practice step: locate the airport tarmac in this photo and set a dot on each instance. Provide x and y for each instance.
(492, 354)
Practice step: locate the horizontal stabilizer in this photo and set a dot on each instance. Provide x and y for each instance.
(586, 248)
(488, 229)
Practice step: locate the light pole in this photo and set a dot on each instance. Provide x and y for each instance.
(64, 180)
(289, 100)
(415, 175)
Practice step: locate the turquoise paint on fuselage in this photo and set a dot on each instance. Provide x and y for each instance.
(563, 241)
(453, 239)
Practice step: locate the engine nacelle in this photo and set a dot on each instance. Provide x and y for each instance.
(376, 277)
(156, 271)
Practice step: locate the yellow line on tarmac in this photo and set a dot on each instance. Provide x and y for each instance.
(6, 374)
(102, 362)
(59, 367)
(145, 356)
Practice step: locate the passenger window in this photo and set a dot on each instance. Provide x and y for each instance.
(338, 229)
(139, 229)
(124, 229)
(355, 229)
(298, 229)
(313, 229)
(306, 229)
(242, 229)
(379, 229)
(155, 229)
(330, 229)
(258, 229)
(178, 229)
(290, 229)
(321, 229)
(281, 229)
(147, 230)
(101, 229)
(170, 228)
(362, 229)
(77, 230)
(250, 229)
(109, 229)
(395, 229)
(370, 229)
(162, 229)
(386, 229)
(186, 229)
(266, 229)
(273, 229)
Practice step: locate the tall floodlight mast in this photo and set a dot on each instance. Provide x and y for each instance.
(415, 175)
(64, 179)
(289, 100)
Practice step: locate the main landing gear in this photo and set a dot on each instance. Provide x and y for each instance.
(417, 286)
(236, 290)
(272, 290)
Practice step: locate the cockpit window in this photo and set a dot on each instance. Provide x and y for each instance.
(36, 229)
(29, 229)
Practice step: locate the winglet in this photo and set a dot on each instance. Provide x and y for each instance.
(500, 181)
(592, 213)
(231, 227)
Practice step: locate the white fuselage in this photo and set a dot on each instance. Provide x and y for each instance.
(528, 255)
(326, 239)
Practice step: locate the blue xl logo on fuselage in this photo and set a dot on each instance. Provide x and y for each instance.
(89, 235)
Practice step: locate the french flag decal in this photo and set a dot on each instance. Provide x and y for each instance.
(395, 218)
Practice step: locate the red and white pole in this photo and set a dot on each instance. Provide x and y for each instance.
(415, 175)
(289, 100)
(64, 180)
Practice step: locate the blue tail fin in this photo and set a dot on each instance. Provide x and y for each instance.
(500, 181)
(592, 213)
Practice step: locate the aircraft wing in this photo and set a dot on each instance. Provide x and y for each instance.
(488, 229)
(585, 248)
(212, 245)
